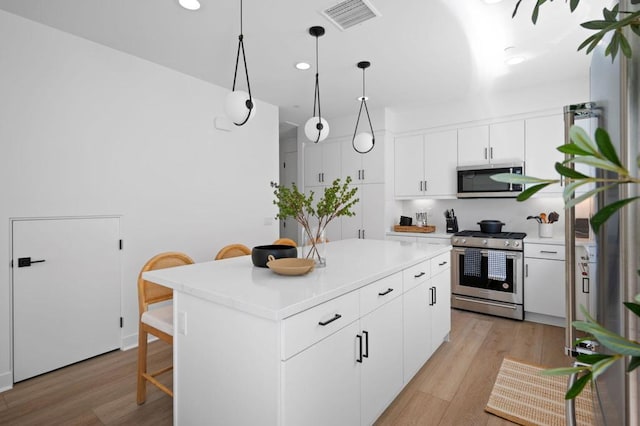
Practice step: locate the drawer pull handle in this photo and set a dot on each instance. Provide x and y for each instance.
(443, 263)
(359, 359)
(548, 251)
(419, 275)
(384, 293)
(335, 317)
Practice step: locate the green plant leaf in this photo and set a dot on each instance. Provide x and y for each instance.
(527, 193)
(633, 307)
(578, 386)
(562, 371)
(592, 358)
(569, 172)
(516, 178)
(634, 363)
(573, 149)
(606, 147)
(605, 213)
(575, 201)
(601, 366)
(595, 25)
(573, 4)
(599, 163)
(611, 340)
(579, 136)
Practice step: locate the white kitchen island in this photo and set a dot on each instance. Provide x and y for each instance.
(334, 346)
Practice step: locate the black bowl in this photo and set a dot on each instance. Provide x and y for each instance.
(260, 254)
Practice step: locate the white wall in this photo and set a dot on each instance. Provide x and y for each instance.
(87, 130)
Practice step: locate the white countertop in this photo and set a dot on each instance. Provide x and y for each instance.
(238, 284)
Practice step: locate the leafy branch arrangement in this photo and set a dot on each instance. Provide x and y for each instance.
(600, 155)
(613, 21)
(337, 201)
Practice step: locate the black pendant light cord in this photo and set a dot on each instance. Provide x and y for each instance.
(249, 102)
(364, 66)
(317, 32)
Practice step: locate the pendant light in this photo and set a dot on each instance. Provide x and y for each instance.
(363, 142)
(239, 104)
(316, 128)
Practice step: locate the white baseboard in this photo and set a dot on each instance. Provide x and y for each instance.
(545, 319)
(6, 381)
(131, 341)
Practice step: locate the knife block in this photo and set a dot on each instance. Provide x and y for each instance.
(452, 225)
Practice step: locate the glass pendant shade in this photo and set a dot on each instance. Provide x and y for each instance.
(236, 106)
(363, 142)
(313, 133)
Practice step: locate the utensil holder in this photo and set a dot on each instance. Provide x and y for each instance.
(452, 225)
(545, 230)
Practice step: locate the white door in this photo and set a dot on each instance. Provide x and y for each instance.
(66, 292)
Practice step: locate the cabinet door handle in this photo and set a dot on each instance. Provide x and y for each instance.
(491, 153)
(365, 354)
(585, 289)
(319, 177)
(443, 263)
(548, 252)
(384, 293)
(359, 233)
(363, 234)
(329, 321)
(362, 174)
(485, 154)
(431, 296)
(435, 295)
(359, 359)
(425, 185)
(419, 275)
(526, 270)
(421, 186)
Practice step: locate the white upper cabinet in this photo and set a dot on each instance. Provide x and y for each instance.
(321, 163)
(440, 163)
(368, 221)
(363, 168)
(409, 166)
(425, 165)
(542, 136)
(497, 143)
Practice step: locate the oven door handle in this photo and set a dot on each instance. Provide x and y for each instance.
(499, 305)
(516, 254)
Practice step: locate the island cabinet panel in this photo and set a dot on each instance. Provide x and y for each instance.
(321, 385)
(223, 359)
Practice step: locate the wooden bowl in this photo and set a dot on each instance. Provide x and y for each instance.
(291, 266)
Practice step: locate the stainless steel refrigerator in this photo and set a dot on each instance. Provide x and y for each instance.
(614, 91)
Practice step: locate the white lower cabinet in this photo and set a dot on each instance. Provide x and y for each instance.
(352, 375)
(544, 285)
(321, 385)
(427, 312)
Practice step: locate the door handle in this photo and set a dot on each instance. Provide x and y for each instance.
(329, 321)
(359, 359)
(384, 293)
(24, 262)
(418, 275)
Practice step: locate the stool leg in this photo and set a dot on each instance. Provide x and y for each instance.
(142, 366)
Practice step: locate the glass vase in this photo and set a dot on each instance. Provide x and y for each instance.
(315, 247)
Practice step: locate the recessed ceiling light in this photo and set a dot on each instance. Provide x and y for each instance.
(514, 60)
(190, 4)
(303, 66)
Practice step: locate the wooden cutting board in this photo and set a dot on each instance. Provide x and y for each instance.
(414, 228)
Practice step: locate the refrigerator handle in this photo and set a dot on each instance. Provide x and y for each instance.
(570, 252)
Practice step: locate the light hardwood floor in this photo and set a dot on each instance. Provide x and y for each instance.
(451, 389)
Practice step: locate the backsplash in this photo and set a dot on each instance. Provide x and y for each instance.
(513, 213)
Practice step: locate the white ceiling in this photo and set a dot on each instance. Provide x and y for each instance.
(422, 51)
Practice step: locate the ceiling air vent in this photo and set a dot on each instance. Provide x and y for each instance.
(348, 13)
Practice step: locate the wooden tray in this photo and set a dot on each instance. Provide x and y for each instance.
(414, 228)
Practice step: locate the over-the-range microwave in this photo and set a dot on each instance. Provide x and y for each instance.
(476, 182)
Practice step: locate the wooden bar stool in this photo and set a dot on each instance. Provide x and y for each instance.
(158, 321)
(233, 250)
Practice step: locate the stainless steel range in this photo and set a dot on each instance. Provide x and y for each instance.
(487, 273)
